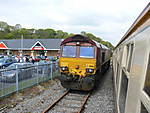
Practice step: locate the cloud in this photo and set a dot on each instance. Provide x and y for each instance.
(104, 18)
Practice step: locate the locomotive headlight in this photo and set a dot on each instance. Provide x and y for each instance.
(88, 70)
(64, 68)
(91, 70)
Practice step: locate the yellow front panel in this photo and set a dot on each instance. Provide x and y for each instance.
(77, 66)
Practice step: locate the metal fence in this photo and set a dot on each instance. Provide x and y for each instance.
(13, 80)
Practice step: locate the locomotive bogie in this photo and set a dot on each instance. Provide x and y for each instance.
(77, 83)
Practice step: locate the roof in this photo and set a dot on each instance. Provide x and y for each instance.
(78, 38)
(145, 15)
(104, 47)
(49, 44)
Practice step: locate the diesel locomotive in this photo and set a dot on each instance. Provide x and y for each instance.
(82, 61)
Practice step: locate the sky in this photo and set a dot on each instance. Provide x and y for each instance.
(107, 19)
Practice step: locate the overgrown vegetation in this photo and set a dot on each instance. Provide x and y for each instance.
(15, 32)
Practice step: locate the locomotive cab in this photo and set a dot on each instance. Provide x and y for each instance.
(77, 63)
(78, 59)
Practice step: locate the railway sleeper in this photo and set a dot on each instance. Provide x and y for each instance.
(63, 109)
(70, 105)
(74, 98)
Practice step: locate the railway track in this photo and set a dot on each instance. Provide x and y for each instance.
(69, 102)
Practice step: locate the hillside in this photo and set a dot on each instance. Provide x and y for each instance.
(16, 32)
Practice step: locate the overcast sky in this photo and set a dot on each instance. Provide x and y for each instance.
(108, 19)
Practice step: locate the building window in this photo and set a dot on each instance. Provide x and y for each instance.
(147, 81)
(123, 92)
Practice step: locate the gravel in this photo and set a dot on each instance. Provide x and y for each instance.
(38, 103)
(102, 99)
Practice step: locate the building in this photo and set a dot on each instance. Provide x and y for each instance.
(33, 47)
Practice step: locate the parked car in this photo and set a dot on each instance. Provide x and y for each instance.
(1, 56)
(37, 58)
(43, 67)
(43, 57)
(4, 62)
(25, 71)
(51, 58)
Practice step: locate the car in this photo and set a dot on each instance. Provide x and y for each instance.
(51, 58)
(4, 62)
(43, 67)
(25, 71)
(37, 58)
(1, 56)
(43, 57)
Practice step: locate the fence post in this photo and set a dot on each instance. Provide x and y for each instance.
(51, 65)
(17, 83)
(37, 74)
(3, 83)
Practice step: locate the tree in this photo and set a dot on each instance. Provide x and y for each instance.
(17, 26)
(3, 25)
(60, 34)
(93, 37)
(15, 32)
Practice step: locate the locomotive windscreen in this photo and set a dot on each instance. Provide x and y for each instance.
(87, 52)
(78, 51)
(69, 51)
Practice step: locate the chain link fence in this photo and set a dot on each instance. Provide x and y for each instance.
(25, 75)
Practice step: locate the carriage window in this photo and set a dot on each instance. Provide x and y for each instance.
(127, 54)
(87, 52)
(147, 81)
(130, 57)
(123, 92)
(69, 51)
(143, 109)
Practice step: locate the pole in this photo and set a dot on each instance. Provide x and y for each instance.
(17, 83)
(22, 44)
(51, 65)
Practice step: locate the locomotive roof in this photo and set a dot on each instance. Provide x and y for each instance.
(104, 47)
(80, 38)
(144, 16)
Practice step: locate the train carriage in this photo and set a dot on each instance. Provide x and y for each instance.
(131, 67)
(80, 60)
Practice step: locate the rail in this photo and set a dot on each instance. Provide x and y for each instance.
(55, 102)
(75, 99)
